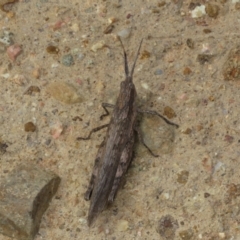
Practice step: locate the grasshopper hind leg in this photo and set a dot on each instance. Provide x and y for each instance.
(125, 162)
(92, 182)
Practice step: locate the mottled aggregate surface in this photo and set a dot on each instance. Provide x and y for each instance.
(192, 190)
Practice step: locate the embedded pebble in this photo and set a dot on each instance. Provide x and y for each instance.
(63, 92)
(198, 11)
(67, 60)
(6, 38)
(19, 79)
(52, 49)
(29, 127)
(222, 235)
(122, 225)
(158, 72)
(212, 10)
(187, 131)
(36, 73)
(108, 29)
(161, 4)
(112, 20)
(145, 54)
(167, 227)
(125, 33)
(13, 51)
(183, 177)
(231, 69)
(153, 129)
(75, 27)
(204, 58)
(56, 130)
(186, 234)
(207, 30)
(169, 112)
(187, 71)
(190, 43)
(4, 3)
(25, 195)
(31, 90)
(3, 147)
(237, 6)
(98, 46)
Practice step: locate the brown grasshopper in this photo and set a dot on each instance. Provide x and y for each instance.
(116, 151)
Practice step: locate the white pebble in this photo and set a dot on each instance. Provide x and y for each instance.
(122, 226)
(75, 27)
(145, 85)
(166, 195)
(125, 33)
(98, 46)
(198, 11)
(221, 235)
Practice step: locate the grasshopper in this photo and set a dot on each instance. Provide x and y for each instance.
(116, 151)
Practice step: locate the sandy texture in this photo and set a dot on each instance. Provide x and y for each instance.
(192, 191)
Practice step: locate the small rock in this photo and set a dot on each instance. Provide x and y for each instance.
(52, 49)
(207, 30)
(186, 234)
(25, 196)
(204, 58)
(112, 20)
(231, 69)
(169, 112)
(6, 38)
(198, 11)
(29, 127)
(108, 29)
(19, 79)
(187, 131)
(4, 3)
(167, 227)
(158, 72)
(63, 92)
(75, 27)
(237, 6)
(183, 177)
(122, 225)
(228, 138)
(212, 10)
(155, 10)
(98, 46)
(56, 130)
(3, 147)
(161, 4)
(13, 51)
(31, 90)
(187, 71)
(36, 73)
(206, 195)
(190, 43)
(145, 54)
(125, 33)
(67, 60)
(153, 128)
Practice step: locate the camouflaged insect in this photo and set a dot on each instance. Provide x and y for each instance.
(116, 151)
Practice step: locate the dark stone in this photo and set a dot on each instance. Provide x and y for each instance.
(25, 194)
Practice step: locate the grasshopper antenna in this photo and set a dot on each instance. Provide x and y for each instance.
(136, 58)
(125, 58)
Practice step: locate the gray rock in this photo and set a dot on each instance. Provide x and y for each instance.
(24, 197)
